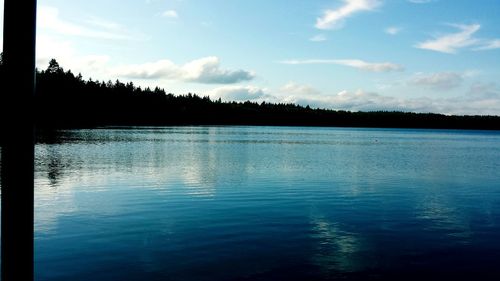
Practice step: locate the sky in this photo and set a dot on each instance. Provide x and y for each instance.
(440, 56)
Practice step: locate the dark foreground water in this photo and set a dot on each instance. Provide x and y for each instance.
(267, 203)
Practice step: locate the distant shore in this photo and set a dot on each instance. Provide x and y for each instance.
(65, 100)
(314, 118)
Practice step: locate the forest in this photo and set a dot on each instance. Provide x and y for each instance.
(66, 100)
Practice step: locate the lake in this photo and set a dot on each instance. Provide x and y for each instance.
(267, 203)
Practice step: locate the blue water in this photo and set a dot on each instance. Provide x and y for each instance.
(267, 203)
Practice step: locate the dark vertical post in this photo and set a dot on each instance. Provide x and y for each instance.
(17, 139)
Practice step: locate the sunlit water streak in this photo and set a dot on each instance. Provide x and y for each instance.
(265, 203)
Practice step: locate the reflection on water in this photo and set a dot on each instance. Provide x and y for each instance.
(336, 249)
(266, 203)
(444, 216)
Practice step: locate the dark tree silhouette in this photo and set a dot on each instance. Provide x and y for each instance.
(54, 67)
(64, 100)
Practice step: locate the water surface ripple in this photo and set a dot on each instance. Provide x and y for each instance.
(267, 203)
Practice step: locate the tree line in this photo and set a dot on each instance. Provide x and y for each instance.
(66, 100)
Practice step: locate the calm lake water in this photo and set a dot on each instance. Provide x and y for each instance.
(267, 203)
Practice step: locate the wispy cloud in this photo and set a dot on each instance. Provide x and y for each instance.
(105, 24)
(489, 45)
(356, 63)
(333, 19)
(49, 19)
(374, 67)
(438, 81)
(170, 14)
(451, 43)
(308, 61)
(205, 70)
(393, 30)
(318, 38)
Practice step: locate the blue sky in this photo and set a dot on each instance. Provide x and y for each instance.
(413, 55)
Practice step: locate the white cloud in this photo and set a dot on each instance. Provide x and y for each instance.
(48, 18)
(151, 70)
(68, 57)
(484, 90)
(318, 38)
(170, 14)
(205, 70)
(451, 43)
(238, 93)
(350, 100)
(373, 67)
(392, 30)
(333, 19)
(438, 81)
(46, 48)
(359, 64)
(295, 89)
(481, 99)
